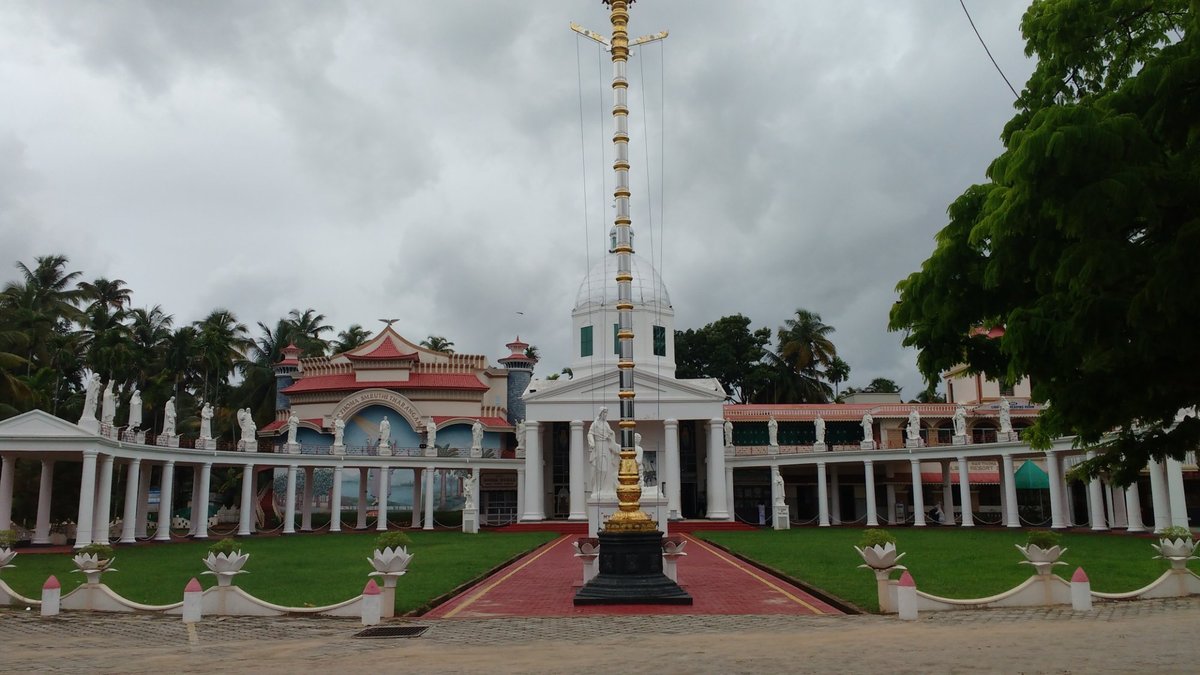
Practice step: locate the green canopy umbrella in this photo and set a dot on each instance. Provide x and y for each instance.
(1031, 477)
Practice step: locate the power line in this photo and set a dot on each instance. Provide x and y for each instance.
(985, 48)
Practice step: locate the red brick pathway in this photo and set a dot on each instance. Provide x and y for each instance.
(544, 582)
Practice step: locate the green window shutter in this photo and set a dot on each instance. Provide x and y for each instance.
(585, 341)
(660, 341)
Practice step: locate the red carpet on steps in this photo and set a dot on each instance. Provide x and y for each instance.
(580, 528)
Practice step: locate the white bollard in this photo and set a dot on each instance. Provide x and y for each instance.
(1081, 591)
(371, 604)
(906, 597)
(193, 601)
(51, 595)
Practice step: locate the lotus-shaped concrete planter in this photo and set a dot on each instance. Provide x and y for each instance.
(1177, 551)
(1042, 559)
(674, 546)
(6, 557)
(390, 563)
(225, 566)
(93, 566)
(586, 546)
(882, 558)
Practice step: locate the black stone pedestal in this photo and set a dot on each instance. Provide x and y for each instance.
(631, 573)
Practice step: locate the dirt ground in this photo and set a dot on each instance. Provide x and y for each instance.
(1149, 636)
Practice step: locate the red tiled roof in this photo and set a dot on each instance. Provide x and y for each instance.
(385, 350)
(277, 424)
(347, 382)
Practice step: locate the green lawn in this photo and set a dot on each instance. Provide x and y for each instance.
(955, 563)
(299, 570)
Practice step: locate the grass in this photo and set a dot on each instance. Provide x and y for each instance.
(295, 571)
(956, 563)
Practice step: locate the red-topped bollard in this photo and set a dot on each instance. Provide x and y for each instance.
(906, 597)
(193, 601)
(371, 596)
(1081, 591)
(51, 596)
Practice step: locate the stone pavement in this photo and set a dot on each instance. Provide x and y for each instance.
(544, 582)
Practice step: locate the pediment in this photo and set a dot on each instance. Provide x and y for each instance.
(646, 384)
(41, 424)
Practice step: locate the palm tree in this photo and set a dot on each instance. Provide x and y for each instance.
(796, 367)
(221, 343)
(41, 304)
(13, 391)
(531, 352)
(113, 293)
(352, 337)
(308, 328)
(438, 343)
(837, 373)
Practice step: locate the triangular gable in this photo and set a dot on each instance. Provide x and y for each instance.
(41, 424)
(646, 384)
(387, 345)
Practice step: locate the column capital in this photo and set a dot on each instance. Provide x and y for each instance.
(207, 466)
(170, 463)
(821, 464)
(576, 424)
(530, 425)
(669, 422)
(90, 452)
(136, 461)
(915, 461)
(868, 462)
(248, 466)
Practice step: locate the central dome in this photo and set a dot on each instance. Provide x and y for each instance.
(599, 287)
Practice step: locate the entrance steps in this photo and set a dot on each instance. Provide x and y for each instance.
(580, 527)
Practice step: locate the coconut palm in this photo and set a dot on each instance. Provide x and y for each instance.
(796, 366)
(837, 372)
(307, 329)
(110, 292)
(438, 343)
(352, 337)
(221, 343)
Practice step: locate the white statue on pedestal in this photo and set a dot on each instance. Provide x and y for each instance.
(90, 398)
(108, 406)
(206, 415)
(520, 436)
(339, 430)
(468, 492)
(385, 432)
(135, 410)
(772, 431)
(604, 454)
(819, 423)
(728, 434)
(638, 455)
(476, 436)
(293, 425)
(246, 423)
(868, 424)
(1005, 417)
(960, 421)
(780, 489)
(914, 426)
(169, 417)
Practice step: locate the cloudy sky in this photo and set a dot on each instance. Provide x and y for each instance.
(427, 160)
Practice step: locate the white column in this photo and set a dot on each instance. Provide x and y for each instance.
(103, 513)
(133, 478)
(1158, 495)
(869, 479)
(335, 501)
(307, 500)
(166, 495)
(41, 532)
(195, 489)
(577, 467)
(381, 497)
(1068, 493)
(729, 489)
(1003, 496)
(534, 507)
(1010, 493)
(1057, 502)
(428, 490)
(835, 496)
(8, 467)
(364, 476)
(671, 470)
(200, 501)
(289, 502)
(1095, 499)
(918, 490)
(520, 490)
(718, 499)
(246, 511)
(1133, 508)
(947, 494)
(889, 492)
(1179, 515)
(143, 499)
(87, 499)
(1114, 497)
(822, 496)
(418, 493)
(964, 492)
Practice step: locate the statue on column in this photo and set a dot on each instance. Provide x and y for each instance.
(914, 426)
(430, 433)
(108, 406)
(476, 436)
(468, 493)
(90, 398)
(780, 489)
(169, 418)
(385, 432)
(206, 415)
(819, 424)
(638, 456)
(339, 430)
(293, 425)
(868, 424)
(772, 431)
(135, 410)
(604, 454)
(520, 436)
(1005, 417)
(728, 434)
(246, 422)
(960, 421)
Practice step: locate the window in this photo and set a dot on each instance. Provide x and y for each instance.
(585, 341)
(660, 341)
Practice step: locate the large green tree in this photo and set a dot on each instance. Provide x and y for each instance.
(728, 350)
(1082, 243)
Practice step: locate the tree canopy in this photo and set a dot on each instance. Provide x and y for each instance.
(1081, 243)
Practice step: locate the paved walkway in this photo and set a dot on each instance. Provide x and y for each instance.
(544, 583)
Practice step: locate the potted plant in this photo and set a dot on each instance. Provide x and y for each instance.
(1177, 545)
(1042, 550)
(7, 539)
(94, 560)
(878, 550)
(391, 557)
(225, 560)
